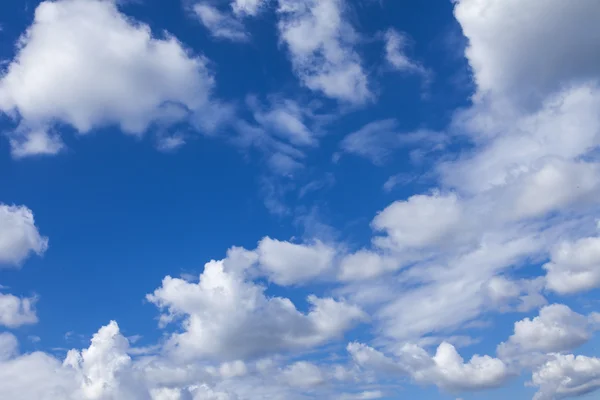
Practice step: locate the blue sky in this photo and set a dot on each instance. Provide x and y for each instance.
(299, 199)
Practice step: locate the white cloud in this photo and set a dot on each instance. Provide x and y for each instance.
(321, 43)
(511, 145)
(220, 24)
(567, 376)
(395, 46)
(574, 266)
(228, 317)
(512, 41)
(365, 264)
(100, 68)
(287, 263)
(419, 222)
(377, 140)
(19, 236)
(303, 375)
(102, 367)
(247, 7)
(284, 119)
(556, 329)
(35, 376)
(446, 369)
(556, 184)
(9, 346)
(16, 311)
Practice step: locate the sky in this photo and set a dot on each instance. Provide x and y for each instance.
(299, 199)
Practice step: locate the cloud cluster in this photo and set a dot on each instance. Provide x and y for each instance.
(100, 69)
(19, 236)
(321, 46)
(437, 262)
(446, 368)
(229, 317)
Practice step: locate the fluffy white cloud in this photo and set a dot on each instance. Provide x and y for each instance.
(102, 368)
(229, 317)
(567, 376)
(100, 68)
(16, 311)
(320, 43)
(287, 263)
(19, 236)
(36, 376)
(556, 184)
(574, 266)
(365, 264)
(453, 250)
(419, 222)
(220, 24)
(446, 369)
(512, 145)
(247, 7)
(511, 41)
(303, 375)
(556, 329)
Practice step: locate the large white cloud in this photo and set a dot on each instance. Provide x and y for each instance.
(106, 371)
(574, 266)
(557, 328)
(19, 236)
(100, 68)
(226, 316)
(321, 46)
(524, 50)
(446, 369)
(567, 376)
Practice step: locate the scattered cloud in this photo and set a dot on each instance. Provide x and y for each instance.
(321, 47)
(100, 68)
(219, 24)
(19, 236)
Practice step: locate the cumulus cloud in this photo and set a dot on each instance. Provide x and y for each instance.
(567, 376)
(228, 317)
(446, 369)
(509, 46)
(220, 24)
(303, 375)
(574, 266)
(453, 249)
(419, 222)
(321, 46)
(557, 328)
(19, 236)
(247, 7)
(16, 311)
(513, 145)
(101, 367)
(101, 68)
(288, 263)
